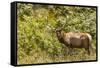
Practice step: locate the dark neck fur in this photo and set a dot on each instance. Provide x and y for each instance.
(60, 37)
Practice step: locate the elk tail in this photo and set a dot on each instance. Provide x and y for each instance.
(91, 49)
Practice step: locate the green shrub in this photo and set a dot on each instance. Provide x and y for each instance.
(38, 43)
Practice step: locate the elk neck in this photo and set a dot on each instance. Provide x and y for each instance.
(60, 36)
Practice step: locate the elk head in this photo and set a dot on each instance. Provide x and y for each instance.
(60, 34)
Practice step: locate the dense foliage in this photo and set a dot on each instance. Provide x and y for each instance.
(37, 41)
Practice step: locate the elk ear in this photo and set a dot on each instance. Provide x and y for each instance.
(53, 29)
(58, 29)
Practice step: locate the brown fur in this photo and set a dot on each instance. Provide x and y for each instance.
(74, 40)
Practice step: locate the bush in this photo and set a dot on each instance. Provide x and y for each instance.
(37, 42)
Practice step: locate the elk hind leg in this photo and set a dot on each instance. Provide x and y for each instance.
(88, 51)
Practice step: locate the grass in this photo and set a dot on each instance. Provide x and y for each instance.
(38, 43)
(43, 57)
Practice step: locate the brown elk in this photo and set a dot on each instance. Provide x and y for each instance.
(74, 40)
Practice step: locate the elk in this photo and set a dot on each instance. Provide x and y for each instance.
(74, 40)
